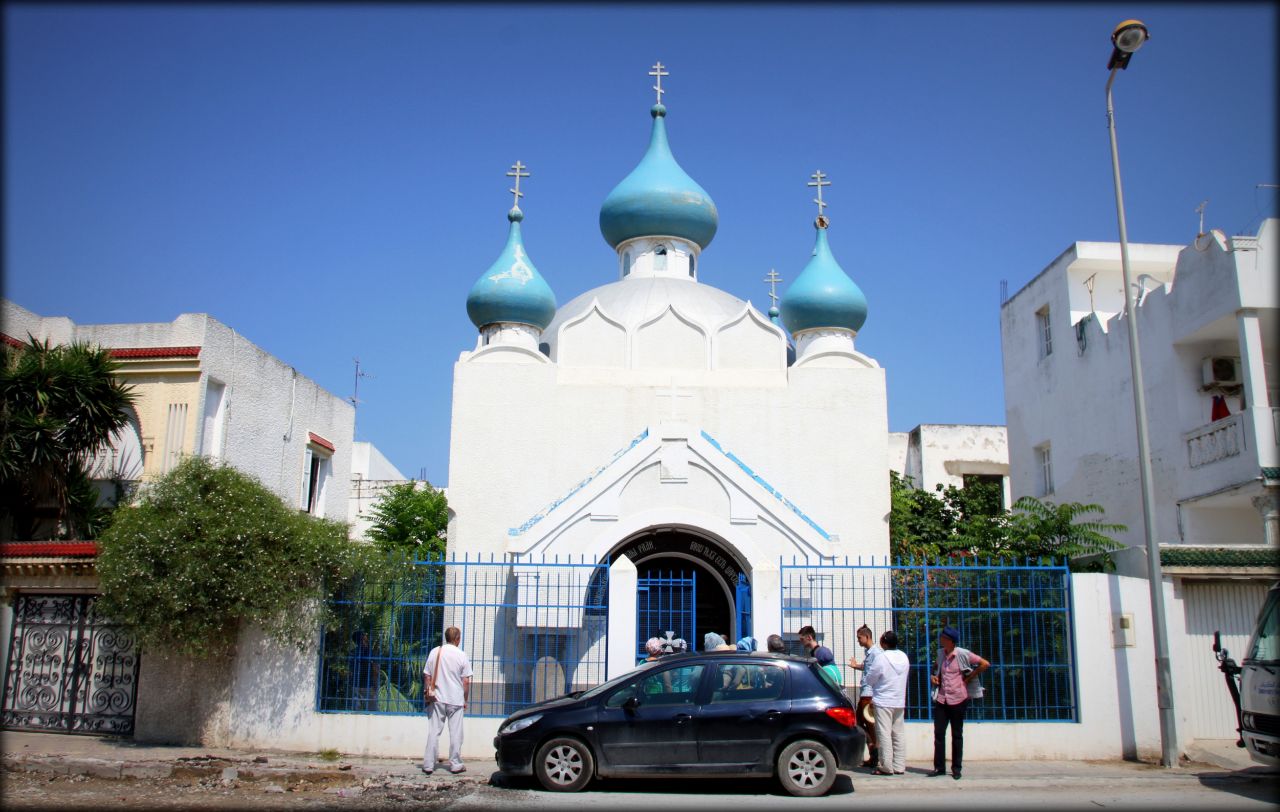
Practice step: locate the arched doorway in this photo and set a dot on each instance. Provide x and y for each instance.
(687, 584)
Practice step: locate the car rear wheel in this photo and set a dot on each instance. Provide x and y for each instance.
(564, 765)
(806, 768)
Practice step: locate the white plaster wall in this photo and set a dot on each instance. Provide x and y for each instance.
(1081, 402)
(270, 700)
(524, 435)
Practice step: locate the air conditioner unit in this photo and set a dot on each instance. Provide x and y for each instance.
(1221, 371)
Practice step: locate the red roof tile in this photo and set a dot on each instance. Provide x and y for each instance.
(34, 549)
(155, 352)
(320, 441)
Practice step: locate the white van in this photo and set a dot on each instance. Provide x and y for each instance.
(1260, 684)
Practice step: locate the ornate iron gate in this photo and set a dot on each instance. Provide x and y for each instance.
(70, 670)
(742, 599)
(666, 602)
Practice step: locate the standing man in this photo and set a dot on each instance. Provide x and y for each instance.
(956, 681)
(887, 676)
(809, 639)
(447, 676)
(864, 716)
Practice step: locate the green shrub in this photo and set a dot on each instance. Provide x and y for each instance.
(208, 548)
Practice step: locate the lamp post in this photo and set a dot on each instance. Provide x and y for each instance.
(1127, 38)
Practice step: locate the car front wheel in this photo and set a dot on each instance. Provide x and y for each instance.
(564, 765)
(806, 768)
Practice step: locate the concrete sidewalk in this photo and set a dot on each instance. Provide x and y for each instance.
(121, 758)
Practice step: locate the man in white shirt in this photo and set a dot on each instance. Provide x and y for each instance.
(887, 676)
(447, 676)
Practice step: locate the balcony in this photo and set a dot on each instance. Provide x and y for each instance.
(1216, 441)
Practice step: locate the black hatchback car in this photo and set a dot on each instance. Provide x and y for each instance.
(707, 714)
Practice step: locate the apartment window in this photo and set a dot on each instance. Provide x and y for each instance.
(1046, 335)
(317, 468)
(1044, 459)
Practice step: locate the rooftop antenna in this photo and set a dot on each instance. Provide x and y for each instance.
(1200, 211)
(354, 400)
(1088, 283)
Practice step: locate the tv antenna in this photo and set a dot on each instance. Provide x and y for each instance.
(354, 400)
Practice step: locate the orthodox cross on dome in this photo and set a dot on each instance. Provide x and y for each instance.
(773, 279)
(658, 72)
(517, 172)
(819, 181)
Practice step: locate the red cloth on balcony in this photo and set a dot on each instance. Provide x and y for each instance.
(1219, 408)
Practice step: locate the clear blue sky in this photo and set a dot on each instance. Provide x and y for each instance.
(329, 180)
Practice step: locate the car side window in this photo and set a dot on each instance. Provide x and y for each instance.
(673, 686)
(748, 682)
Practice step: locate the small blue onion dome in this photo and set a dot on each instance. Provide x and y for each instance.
(658, 198)
(823, 295)
(512, 290)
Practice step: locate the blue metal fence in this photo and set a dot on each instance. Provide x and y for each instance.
(533, 629)
(1018, 616)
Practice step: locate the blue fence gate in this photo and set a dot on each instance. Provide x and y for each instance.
(666, 602)
(1016, 616)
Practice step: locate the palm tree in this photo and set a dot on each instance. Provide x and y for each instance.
(59, 405)
(1045, 529)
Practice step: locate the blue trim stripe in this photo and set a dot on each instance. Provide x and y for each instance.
(773, 491)
(540, 515)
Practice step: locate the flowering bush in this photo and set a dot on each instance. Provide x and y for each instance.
(207, 548)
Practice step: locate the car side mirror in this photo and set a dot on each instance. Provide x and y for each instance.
(631, 704)
(1217, 642)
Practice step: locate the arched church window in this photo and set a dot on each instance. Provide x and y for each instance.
(693, 265)
(626, 262)
(660, 258)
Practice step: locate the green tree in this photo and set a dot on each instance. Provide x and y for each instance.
(208, 548)
(59, 405)
(410, 519)
(966, 522)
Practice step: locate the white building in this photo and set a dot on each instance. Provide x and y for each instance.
(371, 474)
(202, 388)
(656, 422)
(953, 454)
(1207, 323)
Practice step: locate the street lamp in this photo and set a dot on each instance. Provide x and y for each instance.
(1127, 38)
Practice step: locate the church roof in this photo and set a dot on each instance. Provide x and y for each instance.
(512, 290)
(658, 198)
(823, 295)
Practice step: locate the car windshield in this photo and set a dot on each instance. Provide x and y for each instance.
(1265, 645)
(599, 689)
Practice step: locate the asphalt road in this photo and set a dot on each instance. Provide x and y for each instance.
(1008, 785)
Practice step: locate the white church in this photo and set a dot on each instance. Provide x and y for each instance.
(658, 424)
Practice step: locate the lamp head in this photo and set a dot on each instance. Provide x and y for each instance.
(1128, 37)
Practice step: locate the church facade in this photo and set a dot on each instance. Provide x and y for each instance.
(663, 421)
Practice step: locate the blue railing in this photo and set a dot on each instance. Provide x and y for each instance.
(666, 601)
(1017, 616)
(533, 629)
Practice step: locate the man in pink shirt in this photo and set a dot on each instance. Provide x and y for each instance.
(956, 679)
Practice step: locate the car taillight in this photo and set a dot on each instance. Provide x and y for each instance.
(842, 715)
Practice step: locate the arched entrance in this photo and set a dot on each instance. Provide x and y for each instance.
(687, 584)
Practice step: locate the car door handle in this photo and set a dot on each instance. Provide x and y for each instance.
(772, 715)
(681, 718)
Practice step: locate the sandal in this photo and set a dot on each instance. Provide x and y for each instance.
(878, 771)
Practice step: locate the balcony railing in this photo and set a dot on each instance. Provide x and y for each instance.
(1216, 441)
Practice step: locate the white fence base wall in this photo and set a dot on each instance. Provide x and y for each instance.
(270, 703)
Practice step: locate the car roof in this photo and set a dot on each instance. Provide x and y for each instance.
(754, 655)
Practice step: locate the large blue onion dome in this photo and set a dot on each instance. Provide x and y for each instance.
(658, 198)
(823, 295)
(512, 290)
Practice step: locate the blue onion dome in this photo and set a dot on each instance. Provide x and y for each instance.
(823, 295)
(658, 198)
(512, 290)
